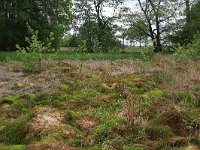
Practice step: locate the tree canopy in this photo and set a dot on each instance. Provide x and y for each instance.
(158, 23)
(43, 15)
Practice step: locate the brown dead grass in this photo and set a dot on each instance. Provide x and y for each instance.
(54, 145)
(86, 123)
(185, 75)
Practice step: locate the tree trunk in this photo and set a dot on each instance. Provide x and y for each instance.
(187, 11)
(123, 42)
(158, 41)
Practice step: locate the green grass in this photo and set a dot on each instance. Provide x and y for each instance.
(77, 56)
(12, 147)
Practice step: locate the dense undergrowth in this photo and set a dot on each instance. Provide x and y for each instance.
(103, 105)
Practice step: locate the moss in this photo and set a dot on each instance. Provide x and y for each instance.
(106, 111)
(193, 115)
(174, 119)
(63, 87)
(134, 148)
(49, 99)
(195, 141)
(96, 147)
(23, 103)
(135, 134)
(152, 95)
(102, 131)
(136, 82)
(70, 116)
(12, 147)
(14, 132)
(158, 132)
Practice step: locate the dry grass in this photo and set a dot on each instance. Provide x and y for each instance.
(106, 102)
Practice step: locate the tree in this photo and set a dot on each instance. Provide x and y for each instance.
(70, 40)
(190, 24)
(94, 27)
(43, 15)
(89, 40)
(156, 16)
(187, 10)
(136, 34)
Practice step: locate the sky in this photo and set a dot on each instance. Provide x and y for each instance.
(109, 12)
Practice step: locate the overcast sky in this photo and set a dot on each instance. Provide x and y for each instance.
(109, 11)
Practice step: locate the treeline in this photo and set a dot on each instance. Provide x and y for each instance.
(45, 16)
(151, 22)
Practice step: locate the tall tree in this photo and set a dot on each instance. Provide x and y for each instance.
(90, 12)
(157, 16)
(190, 27)
(187, 10)
(43, 15)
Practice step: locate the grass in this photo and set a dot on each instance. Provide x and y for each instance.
(105, 105)
(62, 55)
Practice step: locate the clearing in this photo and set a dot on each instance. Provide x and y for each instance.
(101, 104)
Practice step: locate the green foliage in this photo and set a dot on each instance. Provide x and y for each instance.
(31, 56)
(4, 56)
(103, 130)
(194, 47)
(161, 77)
(134, 148)
(186, 34)
(105, 112)
(147, 53)
(188, 100)
(12, 147)
(195, 141)
(181, 53)
(152, 95)
(158, 132)
(70, 41)
(14, 132)
(63, 87)
(94, 38)
(134, 32)
(44, 16)
(190, 51)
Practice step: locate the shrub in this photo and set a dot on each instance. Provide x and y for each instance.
(192, 50)
(146, 56)
(147, 53)
(31, 56)
(181, 53)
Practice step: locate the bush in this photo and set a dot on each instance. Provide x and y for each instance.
(147, 53)
(31, 56)
(190, 51)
